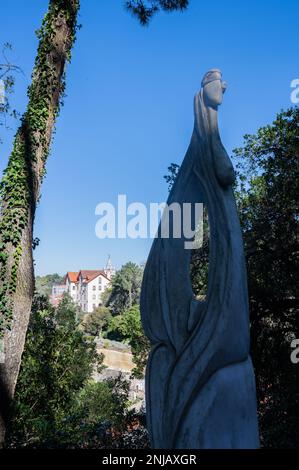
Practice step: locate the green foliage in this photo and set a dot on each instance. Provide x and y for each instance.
(66, 314)
(26, 166)
(125, 288)
(104, 401)
(128, 327)
(144, 10)
(57, 363)
(57, 404)
(199, 264)
(96, 321)
(170, 177)
(44, 284)
(106, 295)
(268, 206)
(98, 417)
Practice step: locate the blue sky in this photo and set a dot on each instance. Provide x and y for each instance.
(128, 111)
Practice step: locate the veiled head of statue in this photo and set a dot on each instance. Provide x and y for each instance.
(213, 88)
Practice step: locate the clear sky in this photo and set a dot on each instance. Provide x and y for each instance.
(128, 111)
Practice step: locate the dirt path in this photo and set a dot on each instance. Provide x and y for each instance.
(117, 360)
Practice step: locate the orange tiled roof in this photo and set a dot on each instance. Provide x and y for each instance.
(73, 276)
(90, 274)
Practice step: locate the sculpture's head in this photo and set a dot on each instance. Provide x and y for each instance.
(213, 88)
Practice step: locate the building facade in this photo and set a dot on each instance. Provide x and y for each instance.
(90, 287)
(57, 292)
(85, 287)
(71, 283)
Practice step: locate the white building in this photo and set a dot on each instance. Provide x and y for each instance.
(57, 293)
(71, 282)
(90, 287)
(87, 286)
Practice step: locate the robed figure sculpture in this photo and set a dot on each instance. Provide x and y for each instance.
(200, 387)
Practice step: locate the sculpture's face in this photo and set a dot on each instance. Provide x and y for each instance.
(213, 93)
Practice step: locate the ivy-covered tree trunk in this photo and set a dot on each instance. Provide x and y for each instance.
(20, 190)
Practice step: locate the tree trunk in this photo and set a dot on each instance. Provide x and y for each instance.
(20, 190)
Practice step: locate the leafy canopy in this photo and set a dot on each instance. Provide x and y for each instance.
(125, 288)
(144, 10)
(57, 363)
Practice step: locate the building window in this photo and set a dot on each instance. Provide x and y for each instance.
(94, 287)
(74, 287)
(94, 297)
(93, 306)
